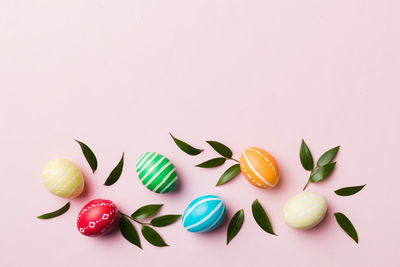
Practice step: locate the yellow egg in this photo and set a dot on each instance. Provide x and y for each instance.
(62, 178)
(305, 210)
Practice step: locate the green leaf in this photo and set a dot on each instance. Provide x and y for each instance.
(348, 191)
(129, 232)
(328, 156)
(234, 225)
(146, 211)
(346, 225)
(230, 173)
(306, 158)
(165, 220)
(89, 155)
(322, 172)
(212, 163)
(152, 236)
(185, 147)
(116, 172)
(56, 213)
(261, 217)
(222, 149)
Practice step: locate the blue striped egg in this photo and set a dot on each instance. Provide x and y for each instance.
(156, 172)
(204, 214)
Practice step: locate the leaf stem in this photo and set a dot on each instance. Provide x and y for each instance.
(304, 188)
(129, 217)
(234, 159)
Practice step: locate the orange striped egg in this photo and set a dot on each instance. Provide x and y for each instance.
(259, 167)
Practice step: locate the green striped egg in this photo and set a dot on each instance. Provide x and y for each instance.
(156, 172)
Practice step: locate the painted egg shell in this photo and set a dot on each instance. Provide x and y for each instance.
(259, 167)
(62, 178)
(97, 217)
(204, 214)
(305, 210)
(156, 172)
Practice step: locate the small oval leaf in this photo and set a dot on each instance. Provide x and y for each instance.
(129, 232)
(146, 211)
(328, 156)
(261, 217)
(185, 147)
(322, 172)
(89, 155)
(152, 236)
(234, 225)
(348, 191)
(56, 213)
(229, 174)
(116, 172)
(222, 149)
(346, 225)
(212, 163)
(306, 158)
(165, 220)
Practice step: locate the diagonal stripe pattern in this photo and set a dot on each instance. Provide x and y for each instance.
(156, 172)
(204, 214)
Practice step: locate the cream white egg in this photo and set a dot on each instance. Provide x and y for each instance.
(305, 210)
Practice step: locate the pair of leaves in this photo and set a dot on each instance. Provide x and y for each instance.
(129, 232)
(259, 215)
(226, 152)
(221, 149)
(92, 160)
(56, 213)
(149, 210)
(348, 191)
(324, 166)
(346, 225)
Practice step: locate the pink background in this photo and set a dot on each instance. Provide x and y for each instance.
(119, 75)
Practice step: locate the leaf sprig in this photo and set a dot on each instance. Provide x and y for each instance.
(324, 166)
(129, 232)
(222, 150)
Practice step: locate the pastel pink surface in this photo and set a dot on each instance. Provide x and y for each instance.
(120, 75)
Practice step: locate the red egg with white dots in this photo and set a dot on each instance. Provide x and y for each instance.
(97, 217)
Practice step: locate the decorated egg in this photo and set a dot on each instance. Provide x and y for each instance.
(97, 217)
(156, 172)
(259, 167)
(305, 210)
(62, 178)
(204, 214)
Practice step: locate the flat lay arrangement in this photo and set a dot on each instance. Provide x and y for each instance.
(205, 213)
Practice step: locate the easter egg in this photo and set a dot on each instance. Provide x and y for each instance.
(259, 167)
(305, 210)
(204, 214)
(156, 172)
(62, 178)
(97, 217)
